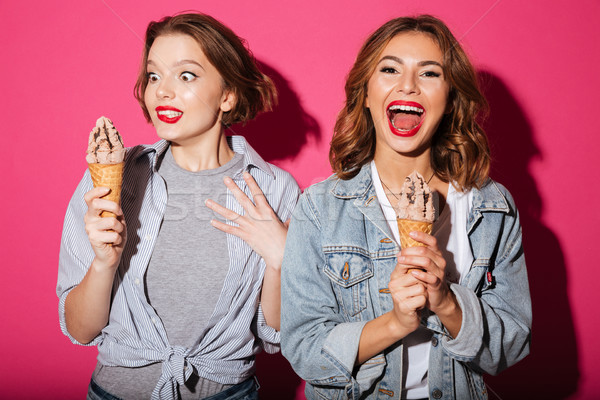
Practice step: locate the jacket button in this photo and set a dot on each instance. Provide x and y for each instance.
(437, 394)
(434, 341)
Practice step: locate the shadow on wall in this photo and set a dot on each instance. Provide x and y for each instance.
(281, 133)
(278, 135)
(551, 370)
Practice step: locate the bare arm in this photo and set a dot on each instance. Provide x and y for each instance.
(87, 306)
(265, 233)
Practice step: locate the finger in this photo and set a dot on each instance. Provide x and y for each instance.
(239, 195)
(411, 304)
(257, 193)
(107, 238)
(424, 238)
(416, 303)
(110, 224)
(99, 205)
(95, 193)
(401, 268)
(418, 262)
(223, 211)
(233, 230)
(422, 276)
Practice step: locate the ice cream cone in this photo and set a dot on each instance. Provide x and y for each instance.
(406, 226)
(111, 176)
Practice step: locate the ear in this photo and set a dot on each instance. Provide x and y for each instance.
(228, 101)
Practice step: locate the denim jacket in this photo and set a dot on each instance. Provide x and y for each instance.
(338, 259)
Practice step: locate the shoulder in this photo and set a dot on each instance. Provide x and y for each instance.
(145, 151)
(494, 196)
(283, 178)
(325, 186)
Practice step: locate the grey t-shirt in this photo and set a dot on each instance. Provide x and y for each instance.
(185, 275)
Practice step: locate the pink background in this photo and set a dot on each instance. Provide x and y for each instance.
(66, 64)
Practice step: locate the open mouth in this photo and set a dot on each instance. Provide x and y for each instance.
(405, 118)
(168, 114)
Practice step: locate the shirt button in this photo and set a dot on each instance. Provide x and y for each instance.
(137, 281)
(153, 320)
(437, 394)
(434, 341)
(147, 237)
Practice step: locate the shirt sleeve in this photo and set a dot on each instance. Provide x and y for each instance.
(269, 336)
(76, 253)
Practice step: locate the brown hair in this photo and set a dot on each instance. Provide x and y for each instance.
(460, 151)
(254, 91)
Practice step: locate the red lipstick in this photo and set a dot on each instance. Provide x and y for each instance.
(414, 108)
(168, 114)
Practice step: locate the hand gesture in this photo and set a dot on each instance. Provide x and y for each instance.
(107, 235)
(260, 227)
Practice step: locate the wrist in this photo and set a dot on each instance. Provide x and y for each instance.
(100, 266)
(394, 328)
(448, 307)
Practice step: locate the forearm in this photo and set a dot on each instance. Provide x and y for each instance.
(379, 334)
(270, 297)
(87, 306)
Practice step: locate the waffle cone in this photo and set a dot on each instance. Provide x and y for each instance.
(111, 176)
(406, 226)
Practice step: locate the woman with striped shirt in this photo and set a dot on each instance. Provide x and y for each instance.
(177, 308)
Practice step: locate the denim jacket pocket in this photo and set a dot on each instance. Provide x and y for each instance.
(349, 268)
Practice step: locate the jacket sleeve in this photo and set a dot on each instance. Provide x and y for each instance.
(496, 325)
(321, 347)
(76, 253)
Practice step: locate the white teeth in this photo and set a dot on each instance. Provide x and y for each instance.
(406, 108)
(170, 113)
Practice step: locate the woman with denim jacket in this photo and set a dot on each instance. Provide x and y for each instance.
(362, 318)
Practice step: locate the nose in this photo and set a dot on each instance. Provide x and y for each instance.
(407, 84)
(165, 89)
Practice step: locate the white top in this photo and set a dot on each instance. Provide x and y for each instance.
(450, 230)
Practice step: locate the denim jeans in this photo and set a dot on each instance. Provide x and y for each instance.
(247, 390)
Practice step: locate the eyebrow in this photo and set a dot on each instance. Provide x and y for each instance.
(179, 63)
(420, 63)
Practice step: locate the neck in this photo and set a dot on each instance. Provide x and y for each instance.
(393, 170)
(207, 152)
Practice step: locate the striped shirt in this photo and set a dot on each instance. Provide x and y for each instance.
(135, 335)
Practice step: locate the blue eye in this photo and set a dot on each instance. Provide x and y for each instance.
(188, 76)
(152, 77)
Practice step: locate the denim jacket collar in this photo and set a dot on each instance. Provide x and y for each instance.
(487, 199)
(356, 187)
(362, 190)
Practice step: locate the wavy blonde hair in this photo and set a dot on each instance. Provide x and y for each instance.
(460, 151)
